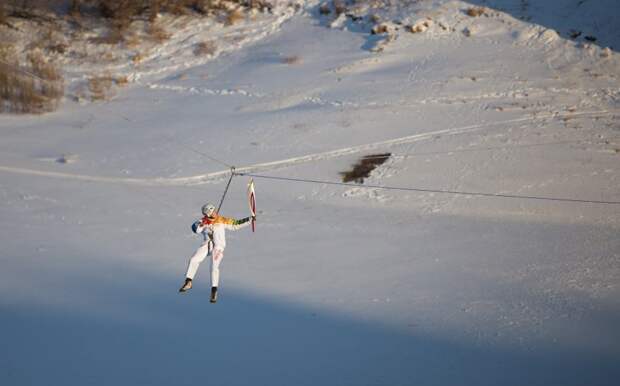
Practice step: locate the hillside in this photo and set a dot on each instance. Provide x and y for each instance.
(493, 257)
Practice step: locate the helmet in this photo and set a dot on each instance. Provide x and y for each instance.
(208, 209)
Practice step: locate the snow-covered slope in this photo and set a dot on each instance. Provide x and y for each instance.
(339, 284)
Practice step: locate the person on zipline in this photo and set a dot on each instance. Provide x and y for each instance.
(213, 229)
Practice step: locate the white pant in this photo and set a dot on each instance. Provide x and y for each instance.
(201, 253)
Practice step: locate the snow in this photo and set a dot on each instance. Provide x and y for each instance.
(339, 285)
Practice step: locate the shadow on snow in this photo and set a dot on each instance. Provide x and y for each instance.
(244, 339)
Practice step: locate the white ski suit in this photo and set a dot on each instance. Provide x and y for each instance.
(213, 230)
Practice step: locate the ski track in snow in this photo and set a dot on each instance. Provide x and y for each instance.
(214, 176)
(205, 90)
(281, 102)
(295, 100)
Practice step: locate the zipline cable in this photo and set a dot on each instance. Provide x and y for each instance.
(203, 154)
(232, 169)
(232, 174)
(424, 190)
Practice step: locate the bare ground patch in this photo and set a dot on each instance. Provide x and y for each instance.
(363, 167)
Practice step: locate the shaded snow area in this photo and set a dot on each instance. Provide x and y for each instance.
(339, 285)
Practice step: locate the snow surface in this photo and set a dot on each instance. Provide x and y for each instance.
(339, 285)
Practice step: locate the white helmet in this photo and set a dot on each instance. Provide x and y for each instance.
(208, 209)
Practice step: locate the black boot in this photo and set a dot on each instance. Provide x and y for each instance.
(213, 295)
(186, 286)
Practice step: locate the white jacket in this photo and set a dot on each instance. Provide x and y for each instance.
(214, 229)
